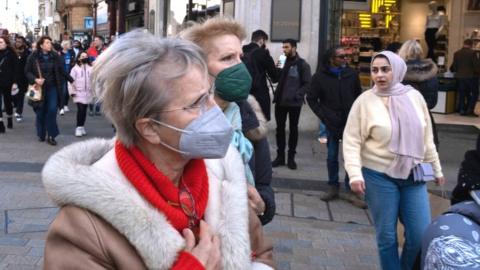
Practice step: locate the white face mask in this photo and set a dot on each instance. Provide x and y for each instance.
(208, 136)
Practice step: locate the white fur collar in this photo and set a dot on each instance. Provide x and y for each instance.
(87, 175)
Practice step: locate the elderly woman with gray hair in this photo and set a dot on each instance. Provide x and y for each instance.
(166, 192)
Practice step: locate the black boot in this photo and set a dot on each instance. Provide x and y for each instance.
(291, 161)
(2, 127)
(9, 122)
(280, 160)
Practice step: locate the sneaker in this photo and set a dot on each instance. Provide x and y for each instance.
(78, 132)
(18, 117)
(66, 109)
(62, 112)
(322, 140)
(84, 132)
(331, 194)
(51, 141)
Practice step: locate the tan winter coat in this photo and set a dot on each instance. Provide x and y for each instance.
(104, 223)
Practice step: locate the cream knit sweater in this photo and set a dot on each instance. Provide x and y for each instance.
(368, 131)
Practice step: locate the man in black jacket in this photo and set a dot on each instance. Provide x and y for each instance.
(259, 63)
(20, 78)
(293, 83)
(333, 90)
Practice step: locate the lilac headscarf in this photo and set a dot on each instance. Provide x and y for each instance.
(407, 131)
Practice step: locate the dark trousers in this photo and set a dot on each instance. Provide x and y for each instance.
(81, 114)
(46, 120)
(19, 98)
(333, 146)
(467, 95)
(66, 95)
(6, 95)
(281, 113)
(431, 41)
(97, 106)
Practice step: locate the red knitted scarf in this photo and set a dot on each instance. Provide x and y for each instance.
(158, 189)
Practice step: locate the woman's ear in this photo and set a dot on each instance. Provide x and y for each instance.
(147, 130)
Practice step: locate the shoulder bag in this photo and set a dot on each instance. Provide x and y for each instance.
(34, 92)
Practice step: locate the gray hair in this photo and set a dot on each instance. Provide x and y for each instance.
(134, 77)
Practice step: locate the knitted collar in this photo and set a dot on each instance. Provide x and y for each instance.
(158, 189)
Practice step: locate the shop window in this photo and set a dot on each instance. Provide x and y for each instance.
(229, 8)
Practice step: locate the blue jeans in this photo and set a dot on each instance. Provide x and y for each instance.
(332, 163)
(46, 120)
(390, 199)
(322, 130)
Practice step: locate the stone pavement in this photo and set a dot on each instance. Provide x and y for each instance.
(307, 233)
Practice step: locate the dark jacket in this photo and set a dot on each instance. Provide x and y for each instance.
(20, 77)
(331, 97)
(466, 64)
(54, 68)
(262, 64)
(72, 60)
(254, 126)
(8, 68)
(422, 75)
(293, 83)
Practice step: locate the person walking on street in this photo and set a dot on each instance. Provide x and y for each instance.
(21, 79)
(80, 91)
(8, 65)
(260, 65)
(388, 133)
(77, 47)
(50, 78)
(293, 83)
(421, 75)
(67, 56)
(466, 65)
(93, 52)
(334, 88)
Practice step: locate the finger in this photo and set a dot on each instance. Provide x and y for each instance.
(204, 231)
(189, 239)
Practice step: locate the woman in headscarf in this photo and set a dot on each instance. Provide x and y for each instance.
(388, 133)
(168, 192)
(221, 39)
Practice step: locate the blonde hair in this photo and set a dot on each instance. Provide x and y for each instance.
(411, 50)
(201, 34)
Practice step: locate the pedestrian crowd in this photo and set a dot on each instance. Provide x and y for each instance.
(186, 182)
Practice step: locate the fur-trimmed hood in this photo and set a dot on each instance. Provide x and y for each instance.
(420, 70)
(254, 123)
(87, 175)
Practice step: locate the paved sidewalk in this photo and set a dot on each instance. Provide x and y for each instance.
(307, 233)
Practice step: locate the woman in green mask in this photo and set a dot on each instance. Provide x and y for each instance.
(220, 38)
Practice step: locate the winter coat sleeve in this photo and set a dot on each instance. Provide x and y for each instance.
(268, 65)
(313, 96)
(61, 69)
(29, 69)
(353, 138)
(77, 239)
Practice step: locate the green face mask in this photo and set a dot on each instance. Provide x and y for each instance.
(233, 83)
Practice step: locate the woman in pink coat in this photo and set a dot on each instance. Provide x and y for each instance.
(80, 90)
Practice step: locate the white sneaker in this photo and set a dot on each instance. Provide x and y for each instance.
(62, 112)
(18, 117)
(322, 140)
(78, 132)
(66, 109)
(84, 132)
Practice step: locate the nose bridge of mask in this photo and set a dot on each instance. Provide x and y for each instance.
(170, 126)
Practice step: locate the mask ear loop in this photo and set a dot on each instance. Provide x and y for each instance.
(176, 129)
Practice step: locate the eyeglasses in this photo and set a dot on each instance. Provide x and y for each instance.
(187, 203)
(201, 103)
(384, 69)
